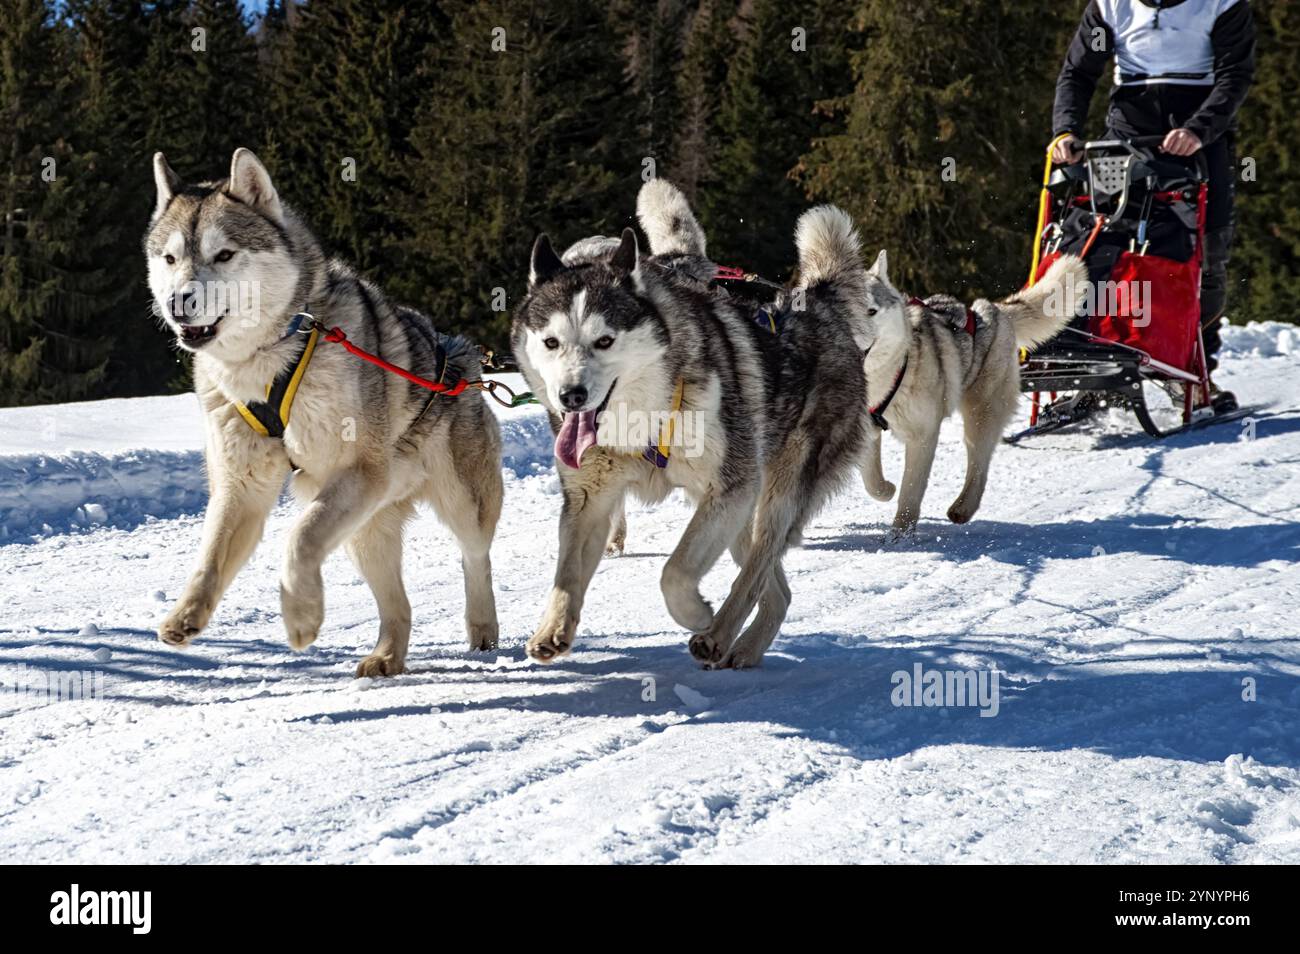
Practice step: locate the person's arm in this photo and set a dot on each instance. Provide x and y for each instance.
(1085, 61)
(1233, 38)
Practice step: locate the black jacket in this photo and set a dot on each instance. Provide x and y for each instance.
(1155, 108)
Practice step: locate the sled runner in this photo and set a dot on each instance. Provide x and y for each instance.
(1137, 218)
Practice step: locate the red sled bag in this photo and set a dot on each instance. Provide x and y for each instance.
(1156, 307)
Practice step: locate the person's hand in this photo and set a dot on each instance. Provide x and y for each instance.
(1068, 151)
(1181, 142)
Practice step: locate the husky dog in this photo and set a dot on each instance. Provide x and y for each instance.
(621, 337)
(923, 362)
(364, 446)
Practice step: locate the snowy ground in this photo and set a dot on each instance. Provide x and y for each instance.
(1123, 588)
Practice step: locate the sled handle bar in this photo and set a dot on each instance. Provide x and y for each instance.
(1136, 143)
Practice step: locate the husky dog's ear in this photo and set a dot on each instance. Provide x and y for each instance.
(626, 259)
(881, 267)
(250, 183)
(544, 262)
(167, 181)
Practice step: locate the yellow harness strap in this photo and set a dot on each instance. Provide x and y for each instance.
(270, 417)
(657, 454)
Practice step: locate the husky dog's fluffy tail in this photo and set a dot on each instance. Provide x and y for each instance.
(828, 245)
(1039, 313)
(667, 220)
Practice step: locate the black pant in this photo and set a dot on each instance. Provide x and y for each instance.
(1221, 158)
(1214, 289)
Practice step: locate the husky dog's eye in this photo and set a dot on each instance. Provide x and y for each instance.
(225, 255)
(604, 341)
(871, 312)
(169, 259)
(551, 344)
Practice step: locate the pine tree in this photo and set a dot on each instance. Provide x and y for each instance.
(52, 348)
(198, 87)
(114, 183)
(787, 61)
(345, 83)
(708, 48)
(944, 133)
(1264, 272)
(654, 34)
(526, 129)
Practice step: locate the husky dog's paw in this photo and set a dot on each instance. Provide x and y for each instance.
(899, 532)
(380, 664)
(960, 513)
(553, 639)
(741, 658)
(482, 636)
(302, 605)
(183, 623)
(882, 491)
(743, 655)
(747, 651)
(301, 632)
(708, 649)
(685, 604)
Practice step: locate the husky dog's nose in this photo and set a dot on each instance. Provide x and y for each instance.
(183, 303)
(573, 398)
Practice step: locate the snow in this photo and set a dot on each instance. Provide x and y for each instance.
(1133, 595)
(1261, 338)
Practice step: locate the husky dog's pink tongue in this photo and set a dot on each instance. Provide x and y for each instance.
(577, 434)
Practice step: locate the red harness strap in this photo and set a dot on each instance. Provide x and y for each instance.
(337, 336)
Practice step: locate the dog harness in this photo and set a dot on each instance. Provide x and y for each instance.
(270, 417)
(657, 453)
(770, 317)
(767, 316)
(878, 412)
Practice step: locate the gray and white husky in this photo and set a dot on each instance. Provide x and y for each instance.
(926, 360)
(229, 267)
(616, 339)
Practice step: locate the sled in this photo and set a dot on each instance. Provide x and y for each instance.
(1137, 219)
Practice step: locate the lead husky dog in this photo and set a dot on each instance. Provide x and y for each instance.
(364, 446)
(612, 339)
(923, 362)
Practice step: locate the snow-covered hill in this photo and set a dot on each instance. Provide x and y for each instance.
(1133, 596)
